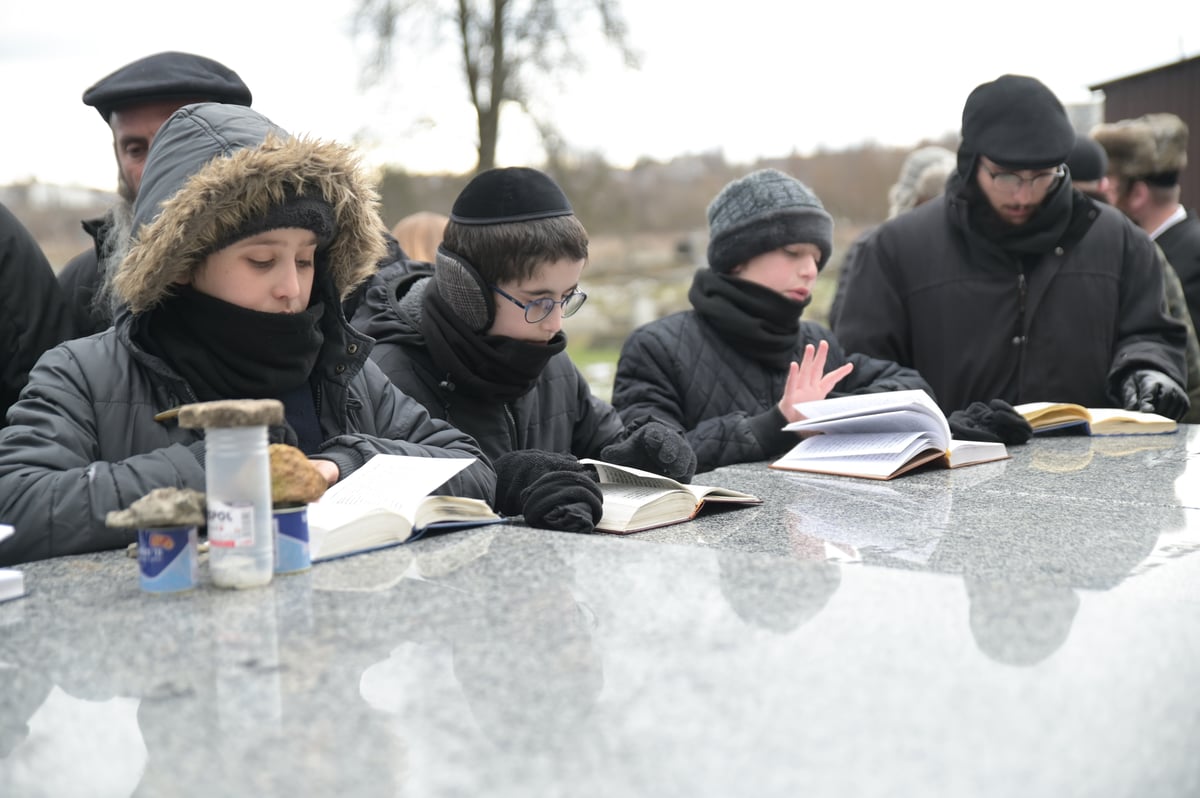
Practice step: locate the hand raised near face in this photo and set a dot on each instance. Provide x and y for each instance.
(807, 380)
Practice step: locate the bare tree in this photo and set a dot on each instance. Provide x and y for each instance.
(505, 46)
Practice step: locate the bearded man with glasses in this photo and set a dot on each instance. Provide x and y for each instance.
(1013, 284)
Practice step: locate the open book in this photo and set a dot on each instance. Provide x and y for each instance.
(636, 500)
(1049, 416)
(879, 436)
(12, 581)
(386, 502)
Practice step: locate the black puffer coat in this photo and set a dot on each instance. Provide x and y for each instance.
(84, 439)
(559, 414)
(931, 293)
(680, 370)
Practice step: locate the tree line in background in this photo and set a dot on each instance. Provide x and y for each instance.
(652, 197)
(672, 196)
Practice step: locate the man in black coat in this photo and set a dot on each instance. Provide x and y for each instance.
(135, 101)
(1013, 284)
(33, 315)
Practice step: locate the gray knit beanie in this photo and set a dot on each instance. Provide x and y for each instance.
(763, 211)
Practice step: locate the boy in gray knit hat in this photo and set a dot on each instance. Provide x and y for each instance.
(728, 372)
(481, 344)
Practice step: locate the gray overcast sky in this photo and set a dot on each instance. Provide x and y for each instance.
(752, 78)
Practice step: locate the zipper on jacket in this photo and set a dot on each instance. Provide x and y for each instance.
(512, 425)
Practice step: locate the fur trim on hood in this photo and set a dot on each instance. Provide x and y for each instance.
(214, 166)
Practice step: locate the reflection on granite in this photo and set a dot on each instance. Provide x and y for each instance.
(1026, 627)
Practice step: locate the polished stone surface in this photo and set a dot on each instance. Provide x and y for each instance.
(1029, 627)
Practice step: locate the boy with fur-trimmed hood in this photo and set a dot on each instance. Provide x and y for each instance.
(247, 240)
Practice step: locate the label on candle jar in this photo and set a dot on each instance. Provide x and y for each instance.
(230, 525)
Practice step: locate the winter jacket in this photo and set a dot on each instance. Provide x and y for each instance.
(681, 371)
(1181, 244)
(558, 414)
(82, 277)
(33, 314)
(85, 439)
(931, 293)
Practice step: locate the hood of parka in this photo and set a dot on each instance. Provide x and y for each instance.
(212, 167)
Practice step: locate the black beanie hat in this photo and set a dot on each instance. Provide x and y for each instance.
(1088, 161)
(762, 211)
(1017, 122)
(167, 76)
(308, 213)
(513, 194)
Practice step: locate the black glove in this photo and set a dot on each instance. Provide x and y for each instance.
(283, 433)
(569, 501)
(516, 471)
(653, 446)
(1154, 392)
(995, 421)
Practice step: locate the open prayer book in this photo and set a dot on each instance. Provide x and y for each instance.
(12, 580)
(879, 436)
(1051, 416)
(636, 500)
(386, 502)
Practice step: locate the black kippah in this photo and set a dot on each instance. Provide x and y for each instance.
(514, 194)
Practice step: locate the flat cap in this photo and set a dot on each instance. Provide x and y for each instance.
(167, 76)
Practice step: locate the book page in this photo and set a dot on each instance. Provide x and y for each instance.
(612, 474)
(890, 411)
(885, 445)
(1116, 421)
(395, 482)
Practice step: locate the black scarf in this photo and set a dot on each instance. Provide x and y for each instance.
(758, 322)
(482, 366)
(1039, 235)
(229, 352)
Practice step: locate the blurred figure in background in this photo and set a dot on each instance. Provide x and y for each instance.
(134, 101)
(922, 177)
(33, 313)
(1146, 157)
(419, 234)
(1089, 165)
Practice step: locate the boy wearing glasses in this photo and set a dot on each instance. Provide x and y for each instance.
(1013, 284)
(478, 340)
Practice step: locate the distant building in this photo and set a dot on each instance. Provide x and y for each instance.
(1174, 88)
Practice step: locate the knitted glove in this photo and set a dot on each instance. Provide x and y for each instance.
(516, 471)
(653, 446)
(995, 421)
(1154, 392)
(569, 501)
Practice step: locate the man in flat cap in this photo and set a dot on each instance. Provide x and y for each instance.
(135, 101)
(1146, 157)
(1014, 285)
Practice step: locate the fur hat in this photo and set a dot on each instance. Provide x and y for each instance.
(515, 194)
(1087, 161)
(922, 177)
(1151, 147)
(763, 211)
(1017, 122)
(167, 76)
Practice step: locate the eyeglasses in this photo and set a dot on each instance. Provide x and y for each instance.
(1010, 182)
(538, 309)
